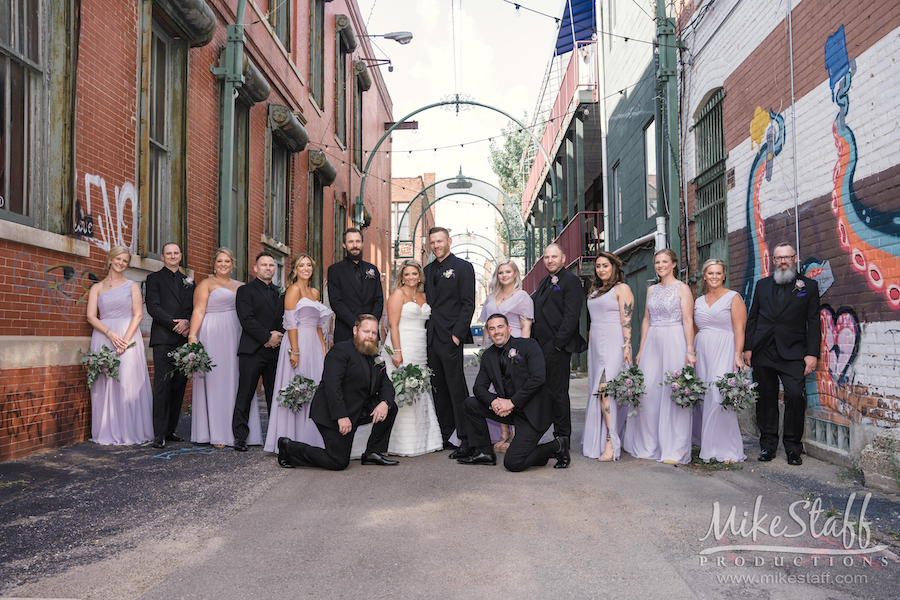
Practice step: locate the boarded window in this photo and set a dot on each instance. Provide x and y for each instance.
(279, 186)
(316, 226)
(340, 90)
(317, 51)
(280, 19)
(357, 124)
(710, 209)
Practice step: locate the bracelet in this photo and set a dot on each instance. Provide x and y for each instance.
(626, 346)
(294, 352)
(108, 329)
(192, 336)
(398, 349)
(691, 353)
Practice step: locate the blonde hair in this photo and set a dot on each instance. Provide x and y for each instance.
(227, 252)
(494, 286)
(398, 278)
(712, 261)
(292, 276)
(668, 252)
(115, 251)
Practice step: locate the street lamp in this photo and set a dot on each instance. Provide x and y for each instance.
(401, 37)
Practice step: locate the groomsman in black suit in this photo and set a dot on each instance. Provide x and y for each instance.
(260, 309)
(557, 310)
(783, 338)
(355, 390)
(450, 289)
(515, 368)
(170, 301)
(354, 287)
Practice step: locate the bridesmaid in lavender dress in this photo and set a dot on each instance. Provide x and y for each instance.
(215, 324)
(611, 305)
(662, 430)
(121, 411)
(720, 315)
(304, 354)
(507, 298)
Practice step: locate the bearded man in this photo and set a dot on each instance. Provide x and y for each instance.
(783, 339)
(355, 390)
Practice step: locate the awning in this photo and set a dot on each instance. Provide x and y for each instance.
(362, 75)
(193, 18)
(287, 128)
(345, 30)
(322, 167)
(579, 23)
(255, 87)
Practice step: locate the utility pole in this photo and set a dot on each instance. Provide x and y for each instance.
(666, 80)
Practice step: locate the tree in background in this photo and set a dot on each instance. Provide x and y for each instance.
(511, 168)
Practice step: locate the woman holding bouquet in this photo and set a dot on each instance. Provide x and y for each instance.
(301, 353)
(611, 305)
(662, 430)
(416, 429)
(507, 297)
(121, 411)
(215, 324)
(720, 315)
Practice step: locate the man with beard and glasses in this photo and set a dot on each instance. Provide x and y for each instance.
(354, 287)
(783, 338)
(355, 390)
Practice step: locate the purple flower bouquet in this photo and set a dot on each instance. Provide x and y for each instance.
(191, 358)
(738, 390)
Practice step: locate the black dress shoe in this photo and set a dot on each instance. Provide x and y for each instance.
(171, 437)
(450, 446)
(479, 458)
(159, 442)
(794, 458)
(240, 445)
(766, 455)
(461, 452)
(563, 458)
(283, 460)
(373, 458)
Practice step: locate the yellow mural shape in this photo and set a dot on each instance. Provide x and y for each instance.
(758, 127)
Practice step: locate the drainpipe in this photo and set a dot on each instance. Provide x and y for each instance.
(232, 71)
(794, 136)
(604, 156)
(665, 35)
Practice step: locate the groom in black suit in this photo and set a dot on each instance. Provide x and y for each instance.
(355, 390)
(170, 301)
(354, 287)
(515, 368)
(260, 308)
(450, 289)
(557, 310)
(783, 338)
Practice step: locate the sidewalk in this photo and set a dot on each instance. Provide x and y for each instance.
(197, 522)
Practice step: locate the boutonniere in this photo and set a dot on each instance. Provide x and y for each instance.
(555, 281)
(281, 291)
(800, 288)
(449, 274)
(187, 282)
(370, 274)
(379, 361)
(513, 355)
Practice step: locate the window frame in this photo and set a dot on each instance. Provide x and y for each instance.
(280, 20)
(340, 90)
(279, 167)
(358, 154)
(651, 206)
(317, 52)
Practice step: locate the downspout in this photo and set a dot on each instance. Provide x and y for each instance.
(667, 42)
(794, 135)
(232, 70)
(604, 157)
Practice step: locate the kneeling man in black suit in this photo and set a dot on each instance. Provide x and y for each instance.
(515, 367)
(355, 390)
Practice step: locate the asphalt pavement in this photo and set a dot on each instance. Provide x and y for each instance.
(192, 521)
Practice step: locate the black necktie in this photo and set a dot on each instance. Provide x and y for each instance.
(358, 269)
(779, 294)
(273, 292)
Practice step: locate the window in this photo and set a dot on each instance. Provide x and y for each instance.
(280, 19)
(163, 161)
(357, 124)
(315, 226)
(650, 184)
(400, 228)
(317, 51)
(240, 184)
(340, 223)
(277, 225)
(617, 201)
(340, 90)
(710, 213)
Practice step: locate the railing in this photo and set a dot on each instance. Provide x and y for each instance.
(580, 74)
(581, 239)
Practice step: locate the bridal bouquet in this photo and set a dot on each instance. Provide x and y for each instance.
(298, 392)
(101, 362)
(738, 390)
(410, 381)
(475, 361)
(687, 390)
(627, 388)
(191, 358)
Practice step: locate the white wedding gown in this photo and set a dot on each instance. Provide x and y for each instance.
(416, 430)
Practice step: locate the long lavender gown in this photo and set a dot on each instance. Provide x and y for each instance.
(283, 422)
(212, 404)
(121, 411)
(662, 430)
(519, 304)
(720, 437)
(605, 358)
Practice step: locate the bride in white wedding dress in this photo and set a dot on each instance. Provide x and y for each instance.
(416, 429)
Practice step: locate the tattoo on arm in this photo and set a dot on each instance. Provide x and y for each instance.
(627, 310)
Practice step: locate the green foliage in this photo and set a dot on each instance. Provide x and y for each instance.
(506, 162)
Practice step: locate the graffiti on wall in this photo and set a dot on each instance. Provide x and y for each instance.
(840, 346)
(64, 288)
(767, 136)
(109, 227)
(47, 417)
(871, 237)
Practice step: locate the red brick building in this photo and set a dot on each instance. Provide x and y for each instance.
(113, 136)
